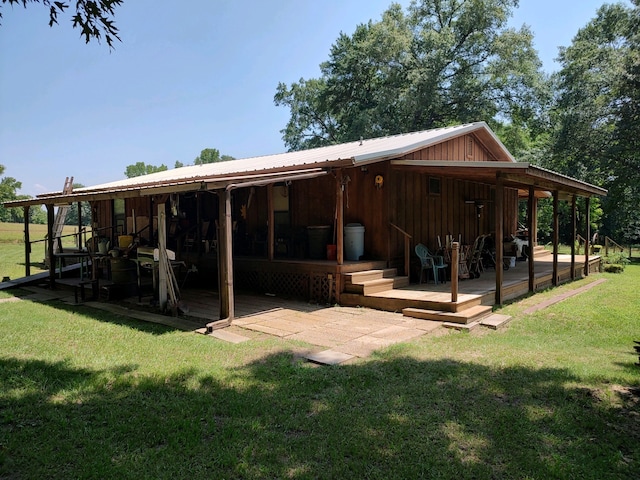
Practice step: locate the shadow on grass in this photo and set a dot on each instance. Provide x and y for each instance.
(278, 418)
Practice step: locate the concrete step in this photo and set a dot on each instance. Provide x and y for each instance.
(368, 275)
(466, 316)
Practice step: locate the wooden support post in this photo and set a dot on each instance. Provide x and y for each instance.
(574, 236)
(587, 235)
(455, 256)
(499, 235)
(339, 218)
(27, 243)
(556, 238)
(79, 239)
(531, 206)
(162, 245)
(52, 258)
(271, 227)
(225, 244)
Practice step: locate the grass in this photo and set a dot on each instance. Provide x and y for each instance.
(12, 254)
(85, 394)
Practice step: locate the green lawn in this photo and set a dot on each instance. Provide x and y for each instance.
(12, 251)
(85, 394)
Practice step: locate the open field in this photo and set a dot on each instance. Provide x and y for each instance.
(554, 395)
(12, 253)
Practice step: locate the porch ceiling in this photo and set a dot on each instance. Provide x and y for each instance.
(519, 175)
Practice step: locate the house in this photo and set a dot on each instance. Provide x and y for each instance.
(303, 223)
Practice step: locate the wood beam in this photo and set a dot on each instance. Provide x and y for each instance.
(52, 258)
(162, 245)
(339, 217)
(499, 235)
(574, 236)
(27, 243)
(225, 245)
(271, 227)
(587, 236)
(556, 238)
(531, 213)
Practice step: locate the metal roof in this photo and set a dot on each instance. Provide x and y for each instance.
(352, 153)
(283, 166)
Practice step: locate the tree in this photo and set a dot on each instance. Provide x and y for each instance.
(140, 168)
(443, 62)
(8, 191)
(93, 17)
(211, 155)
(596, 126)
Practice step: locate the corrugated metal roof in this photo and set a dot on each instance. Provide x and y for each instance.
(358, 152)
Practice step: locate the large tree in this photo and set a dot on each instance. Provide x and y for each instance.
(441, 62)
(93, 17)
(596, 126)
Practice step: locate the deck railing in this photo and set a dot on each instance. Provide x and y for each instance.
(407, 247)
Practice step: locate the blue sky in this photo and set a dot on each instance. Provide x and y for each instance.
(187, 76)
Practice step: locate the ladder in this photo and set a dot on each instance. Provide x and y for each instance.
(61, 216)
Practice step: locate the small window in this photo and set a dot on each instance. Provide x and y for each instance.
(434, 186)
(469, 147)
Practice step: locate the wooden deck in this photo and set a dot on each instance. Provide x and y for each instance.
(472, 292)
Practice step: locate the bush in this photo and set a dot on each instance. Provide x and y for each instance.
(613, 268)
(615, 262)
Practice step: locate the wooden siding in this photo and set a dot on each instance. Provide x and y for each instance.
(465, 148)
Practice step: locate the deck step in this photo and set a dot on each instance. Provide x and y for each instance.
(368, 275)
(370, 286)
(495, 321)
(467, 327)
(466, 316)
(540, 251)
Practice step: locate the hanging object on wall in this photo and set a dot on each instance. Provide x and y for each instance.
(379, 181)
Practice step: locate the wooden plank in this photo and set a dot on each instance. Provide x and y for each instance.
(162, 245)
(556, 236)
(531, 209)
(499, 235)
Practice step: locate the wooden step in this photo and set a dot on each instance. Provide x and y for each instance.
(370, 286)
(540, 251)
(466, 316)
(368, 275)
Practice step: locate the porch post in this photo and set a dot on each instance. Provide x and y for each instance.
(531, 206)
(271, 228)
(455, 259)
(27, 243)
(556, 237)
(499, 235)
(339, 218)
(587, 236)
(227, 310)
(574, 236)
(162, 245)
(79, 239)
(52, 258)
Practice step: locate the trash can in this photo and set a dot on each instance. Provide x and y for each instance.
(353, 241)
(318, 238)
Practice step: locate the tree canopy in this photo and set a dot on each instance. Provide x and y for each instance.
(441, 62)
(141, 168)
(93, 17)
(211, 155)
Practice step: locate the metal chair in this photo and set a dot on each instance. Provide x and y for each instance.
(429, 262)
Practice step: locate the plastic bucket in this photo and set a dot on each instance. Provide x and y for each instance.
(124, 241)
(353, 241)
(318, 237)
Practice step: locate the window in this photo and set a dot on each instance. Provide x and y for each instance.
(434, 186)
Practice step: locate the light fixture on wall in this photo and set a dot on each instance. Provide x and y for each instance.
(379, 181)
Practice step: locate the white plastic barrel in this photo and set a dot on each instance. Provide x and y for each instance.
(353, 241)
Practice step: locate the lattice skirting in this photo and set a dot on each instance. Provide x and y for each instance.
(316, 287)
